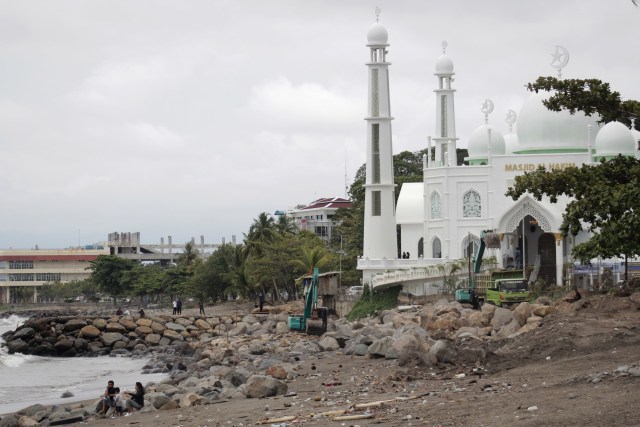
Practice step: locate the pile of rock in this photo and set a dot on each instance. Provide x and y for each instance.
(254, 356)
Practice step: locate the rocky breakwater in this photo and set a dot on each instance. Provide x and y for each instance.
(69, 336)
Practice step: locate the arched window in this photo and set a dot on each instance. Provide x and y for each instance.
(471, 205)
(436, 206)
(470, 246)
(421, 247)
(436, 246)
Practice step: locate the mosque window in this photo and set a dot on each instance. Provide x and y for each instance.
(437, 248)
(421, 247)
(436, 206)
(375, 98)
(375, 161)
(443, 115)
(376, 204)
(471, 205)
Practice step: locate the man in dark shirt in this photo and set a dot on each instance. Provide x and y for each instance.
(108, 399)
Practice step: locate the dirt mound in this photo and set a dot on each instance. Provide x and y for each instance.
(593, 324)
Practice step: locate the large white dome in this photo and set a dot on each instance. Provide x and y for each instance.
(444, 65)
(478, 145)
(377, 35)
(615, 138)
(542, 130)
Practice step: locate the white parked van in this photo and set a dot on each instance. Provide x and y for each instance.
(355, 290)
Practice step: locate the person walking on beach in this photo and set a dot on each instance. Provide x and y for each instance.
(175, 307)
(136, 399)
(202, 308)
(261, 301)
(179, 303)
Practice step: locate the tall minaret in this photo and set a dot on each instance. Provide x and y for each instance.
(380, 239)
(445, 138)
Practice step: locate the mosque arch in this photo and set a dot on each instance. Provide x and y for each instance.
(421, 247)
(436, 205)
(527, 206)
(436, 248)
(471, 204)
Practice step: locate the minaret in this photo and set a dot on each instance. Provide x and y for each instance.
(445, 139)
(380, 239)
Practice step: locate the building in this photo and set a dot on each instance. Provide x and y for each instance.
(442, 218)
(317, 216)
(33, 268)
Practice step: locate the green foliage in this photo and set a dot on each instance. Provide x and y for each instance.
(373, 302)
(591, 96)
(108, 272)
(605, 201)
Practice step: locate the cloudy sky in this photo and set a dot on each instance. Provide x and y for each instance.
(189, 118)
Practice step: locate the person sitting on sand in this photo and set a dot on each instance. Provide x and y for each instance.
(118, 400)
(108, 397)
(136, 399)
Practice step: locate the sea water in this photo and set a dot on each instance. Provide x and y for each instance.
(26, 380)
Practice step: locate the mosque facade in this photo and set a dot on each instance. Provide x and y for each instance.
(441, 219)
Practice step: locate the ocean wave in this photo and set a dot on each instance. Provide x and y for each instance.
(15, 360)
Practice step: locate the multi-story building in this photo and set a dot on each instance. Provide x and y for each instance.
(317, 216)
(33, 268)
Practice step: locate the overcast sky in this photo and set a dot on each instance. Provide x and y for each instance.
(189, 118)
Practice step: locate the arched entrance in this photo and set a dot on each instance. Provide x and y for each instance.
(530, 242)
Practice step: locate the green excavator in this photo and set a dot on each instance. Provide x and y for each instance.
(470, 295)
(314, 319)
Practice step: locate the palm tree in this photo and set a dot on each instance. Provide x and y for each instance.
(311, 257)
(286, 225)
(261, 232)
(189, 258)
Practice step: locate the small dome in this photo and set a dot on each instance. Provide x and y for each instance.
(377, 35)
(511, 143)
(478, 145)
(540, 129)
(615, 138)
(444, 65)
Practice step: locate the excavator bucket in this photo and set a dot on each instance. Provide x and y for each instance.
(492, 240)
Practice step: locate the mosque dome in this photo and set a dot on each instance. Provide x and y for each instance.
(377, 35)
(511, 144)
(444, 65)
(615, 138)
(478, 145)
(541, 130)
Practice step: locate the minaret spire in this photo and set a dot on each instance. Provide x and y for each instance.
(380, 239)
(445, 138)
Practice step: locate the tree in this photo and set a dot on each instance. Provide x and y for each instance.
(605, 200)
(107, 271)
(189, 258)
(591, 96)
(286, 225)
(261, 232)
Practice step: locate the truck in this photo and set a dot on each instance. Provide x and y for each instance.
(503, 288)
(314, 319)
(500, 287)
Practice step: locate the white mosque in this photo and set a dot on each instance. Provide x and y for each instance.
(442, 218)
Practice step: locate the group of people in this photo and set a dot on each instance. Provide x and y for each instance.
(406, 255)
(177, 306)
(121, 401)
(125, 312)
